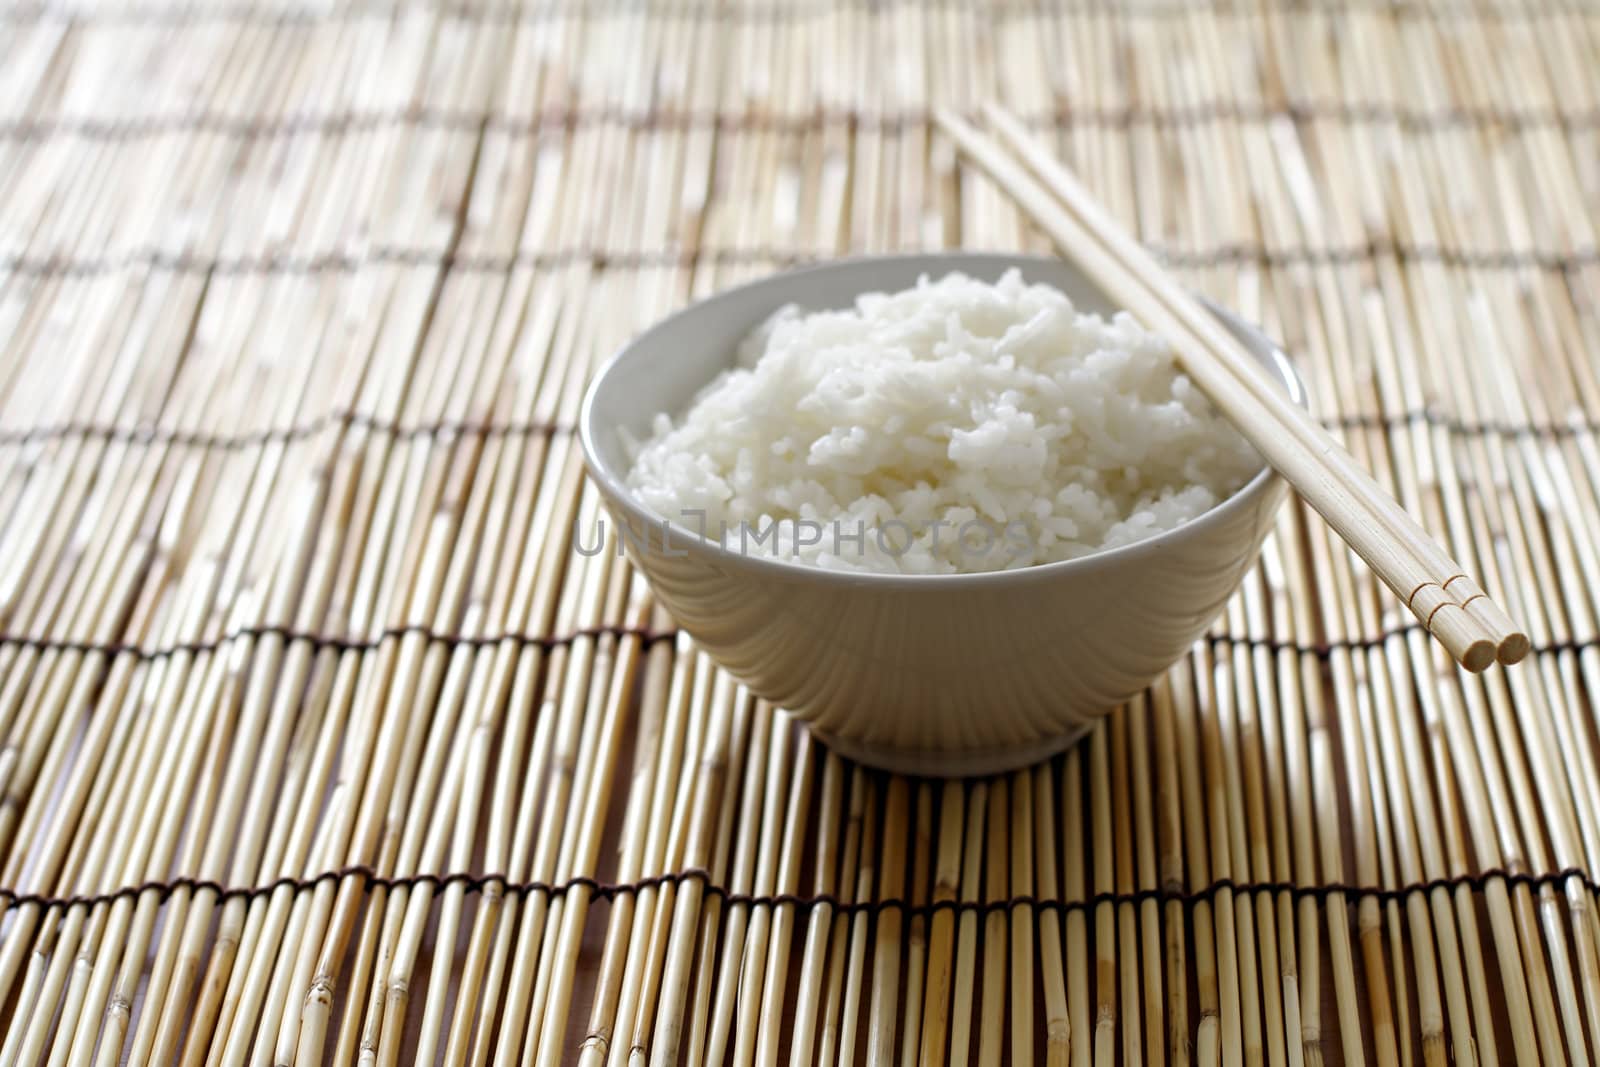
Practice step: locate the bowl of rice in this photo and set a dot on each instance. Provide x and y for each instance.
(948, 509)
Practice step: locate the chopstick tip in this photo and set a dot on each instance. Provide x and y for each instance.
(1514, 647)
(1479, 656)
(1511, 643)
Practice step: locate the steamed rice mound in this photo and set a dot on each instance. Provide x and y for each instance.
(958, 402)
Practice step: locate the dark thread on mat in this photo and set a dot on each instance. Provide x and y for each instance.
(1324, 649)
(319, 263)
(1232, 254)
(152, 435)
(476, 884)
(1467, 428)
(247, 12)
(333, 123)
(1353, 255)
(1320, 649)
(158, 435)
(334, 641)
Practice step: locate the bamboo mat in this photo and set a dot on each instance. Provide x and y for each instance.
(321, 746)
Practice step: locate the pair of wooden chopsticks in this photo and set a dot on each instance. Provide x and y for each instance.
(1435, 587)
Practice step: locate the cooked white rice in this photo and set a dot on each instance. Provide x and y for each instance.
(956, 426)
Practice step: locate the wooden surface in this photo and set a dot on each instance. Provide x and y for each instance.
(299, 673)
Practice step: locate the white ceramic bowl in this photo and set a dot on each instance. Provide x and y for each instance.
(936, 674)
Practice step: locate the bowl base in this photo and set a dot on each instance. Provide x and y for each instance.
(933, 763)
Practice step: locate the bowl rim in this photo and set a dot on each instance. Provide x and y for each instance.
(616, 490)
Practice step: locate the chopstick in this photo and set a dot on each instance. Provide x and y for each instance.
(1511, 644)
(1436, 589)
